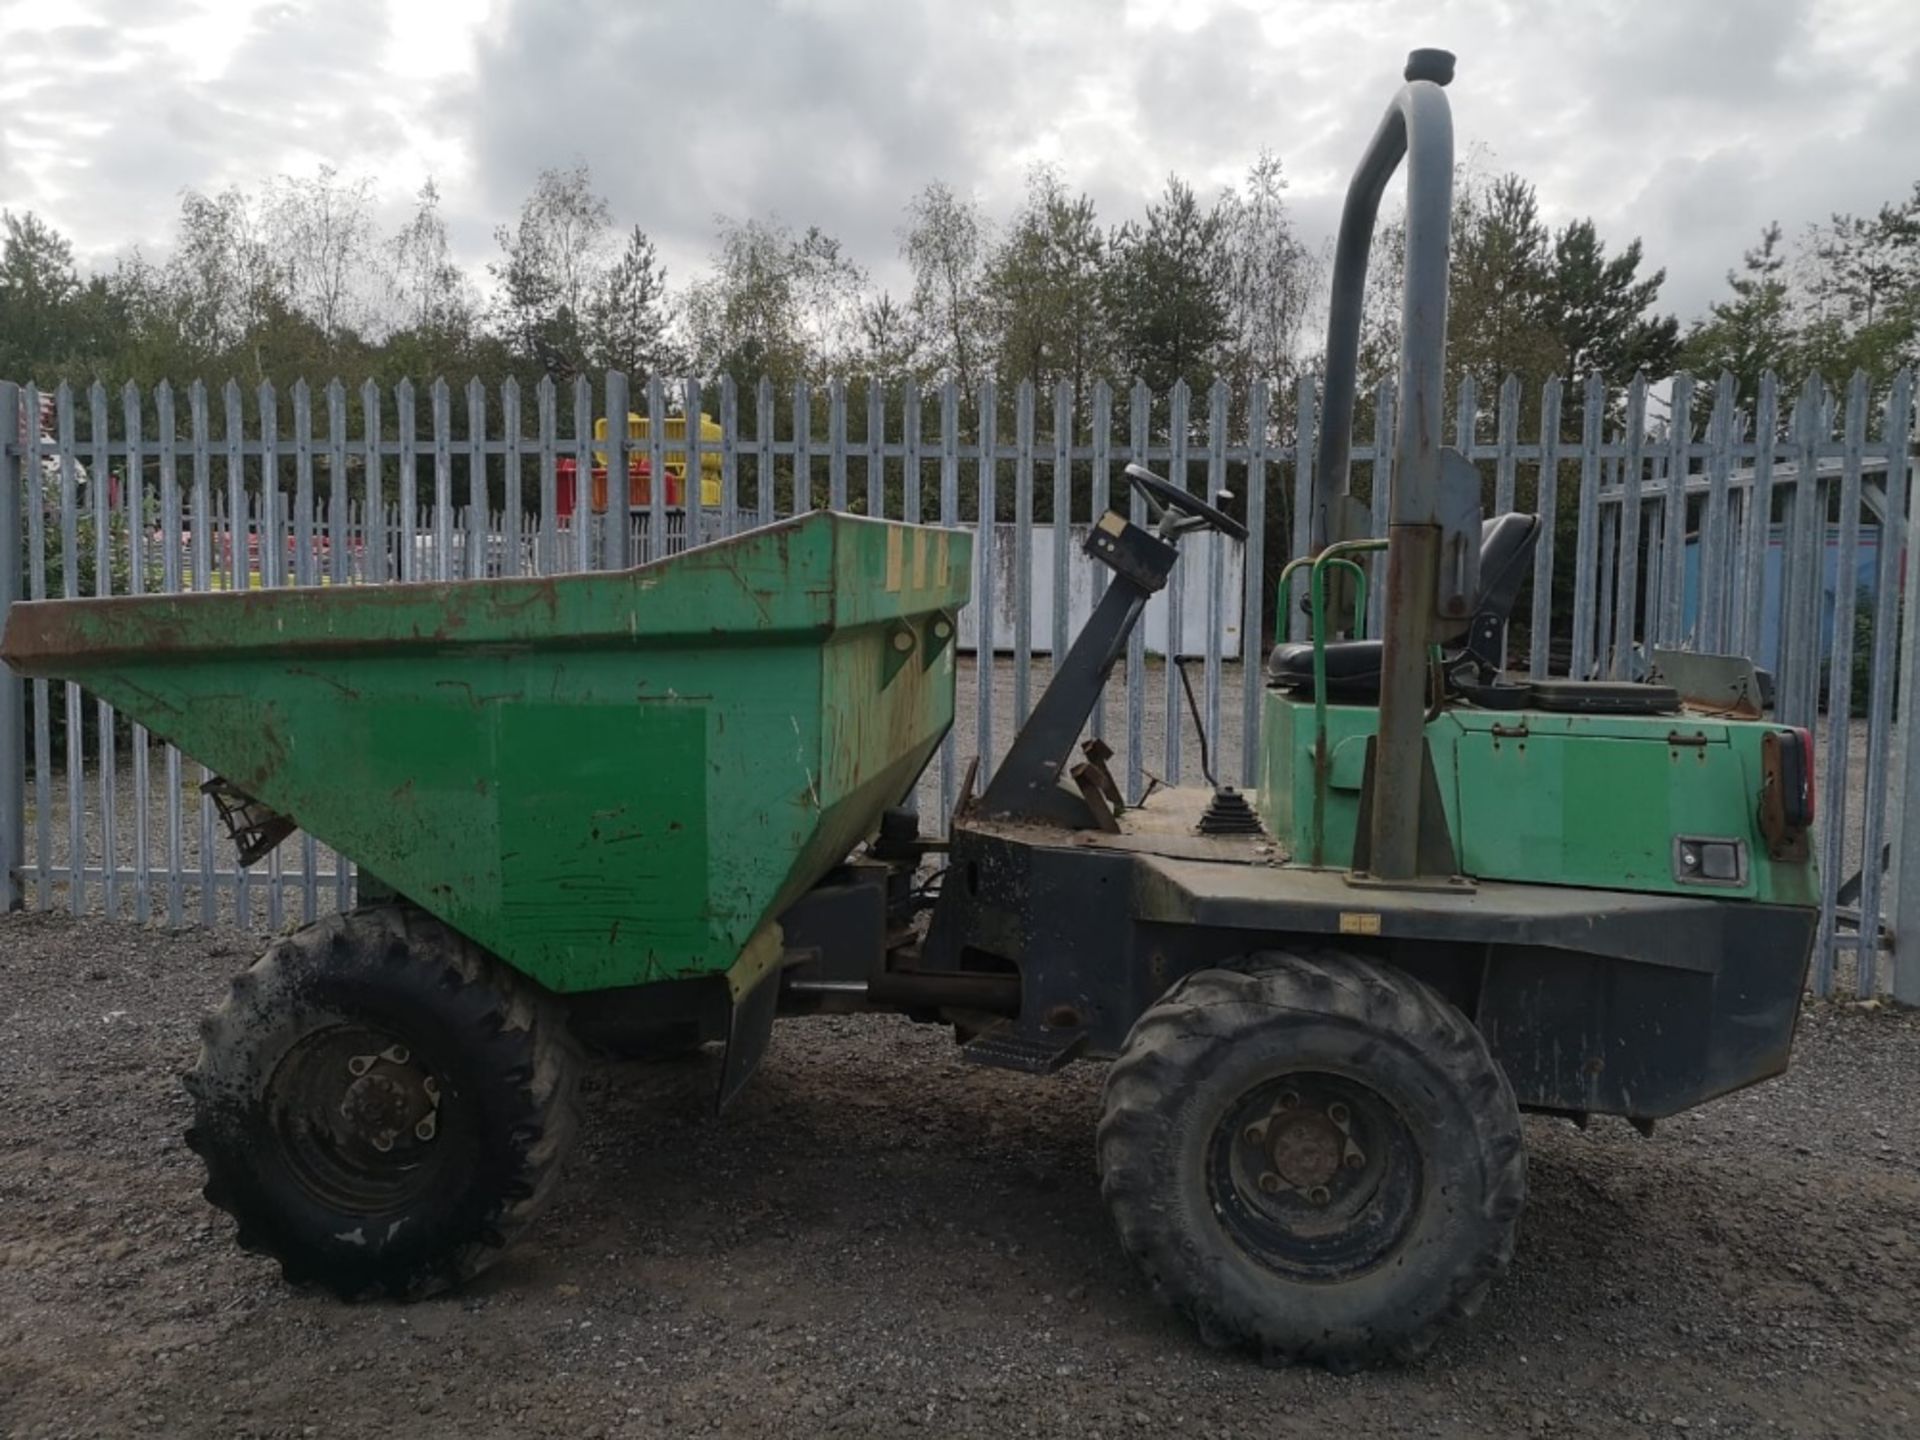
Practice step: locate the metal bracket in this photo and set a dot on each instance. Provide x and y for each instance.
(753, 986)
(1097, 786)
(1027, 786)
(1439, 868)
(255, 829)
(901, 642)
(939, 636)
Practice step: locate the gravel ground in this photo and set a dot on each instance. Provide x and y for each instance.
(877, 1240)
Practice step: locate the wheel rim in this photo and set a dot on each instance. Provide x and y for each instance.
(1316, 1176)
(358, 1118)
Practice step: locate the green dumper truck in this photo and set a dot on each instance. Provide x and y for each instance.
(641, 810)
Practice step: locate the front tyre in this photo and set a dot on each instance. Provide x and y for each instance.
(1312, 1156)
(381, 1105)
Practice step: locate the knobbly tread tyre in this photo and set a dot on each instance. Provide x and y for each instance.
(502, 1051)
(1154, 1107)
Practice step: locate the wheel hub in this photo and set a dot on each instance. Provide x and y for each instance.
(1305, 1149)
(389, 1097)
(1315, 1174)
(358, 1117)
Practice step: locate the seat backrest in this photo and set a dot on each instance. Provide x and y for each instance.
(1506, 559)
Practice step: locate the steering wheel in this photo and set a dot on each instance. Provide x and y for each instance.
(1162, 496)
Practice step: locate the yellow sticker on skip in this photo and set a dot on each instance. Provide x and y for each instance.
(1359, 922)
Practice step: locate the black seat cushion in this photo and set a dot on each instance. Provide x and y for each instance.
(1353, 668)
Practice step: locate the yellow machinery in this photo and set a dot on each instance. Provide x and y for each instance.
(639, 461)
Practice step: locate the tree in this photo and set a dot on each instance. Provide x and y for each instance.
(1526, 301)
(222, 281)
(829, 284)
(138, 338)
(1857, 291)
(1380, 318)
(1271, 279)
(1500, 308)
(1852, 267)
(1043, 289)
(428, 292)
(627, 322)
(322, 230)
(890, 340)
(551, 263)
(1752, 331)
(778, 304)
(945, 245)
(1599, 308)
(97, 320)
(1166, 291)
(38, 284)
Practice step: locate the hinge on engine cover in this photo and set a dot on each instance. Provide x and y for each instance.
(256, 830)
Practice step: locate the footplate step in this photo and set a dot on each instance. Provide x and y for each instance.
(1035, 1053)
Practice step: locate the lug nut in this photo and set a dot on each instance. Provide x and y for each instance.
(1338, 1113)
(1255, 1135)
(360, 1064)
(1270, 1183)
(1355, 1160)
(424, 1130)
(1318, 1195)
(397, 1054)
(1288, 1100)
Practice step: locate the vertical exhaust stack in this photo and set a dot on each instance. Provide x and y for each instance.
(1433, 517)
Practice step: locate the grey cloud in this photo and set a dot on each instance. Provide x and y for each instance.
(1756, 55)
(85, 46)
(689, 110)
(1644, 114)
(1688, 124)
(298, 80)
(1203, 92)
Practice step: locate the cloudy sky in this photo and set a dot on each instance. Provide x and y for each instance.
(1689, 122)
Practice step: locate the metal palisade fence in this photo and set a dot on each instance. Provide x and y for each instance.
(1675, 516)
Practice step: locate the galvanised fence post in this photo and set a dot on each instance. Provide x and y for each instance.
(13, 715)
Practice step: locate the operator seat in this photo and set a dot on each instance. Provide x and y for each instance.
(1353, 666)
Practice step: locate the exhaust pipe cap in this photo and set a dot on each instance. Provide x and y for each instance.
(1434, 65)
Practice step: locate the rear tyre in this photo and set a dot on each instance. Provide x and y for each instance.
(381, 1105)
(1312, 1156)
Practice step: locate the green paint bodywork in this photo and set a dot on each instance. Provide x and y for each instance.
(1594, 801)
(606, 778)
